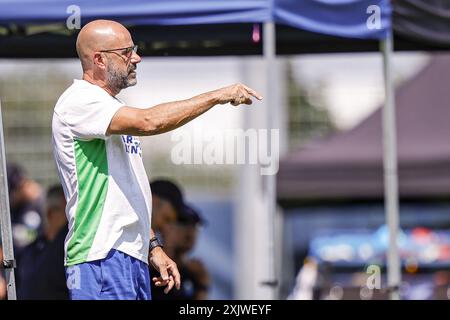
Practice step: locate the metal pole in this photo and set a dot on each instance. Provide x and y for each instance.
(5, 222)
(390, 171)
(270, 180)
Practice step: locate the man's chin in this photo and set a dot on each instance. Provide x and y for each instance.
(132, 82)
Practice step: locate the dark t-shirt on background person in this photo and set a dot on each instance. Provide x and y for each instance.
(40, 270)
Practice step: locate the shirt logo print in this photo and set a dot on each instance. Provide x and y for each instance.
(132, 145)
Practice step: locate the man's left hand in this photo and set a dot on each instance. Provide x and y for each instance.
(167, 268)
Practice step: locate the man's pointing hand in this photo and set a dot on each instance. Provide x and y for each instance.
(237, 94)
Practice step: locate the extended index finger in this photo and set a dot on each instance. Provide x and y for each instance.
(253, 92)
(176, 275)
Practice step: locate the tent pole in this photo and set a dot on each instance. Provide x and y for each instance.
(269, 181)
(5, 221)
(391, 199)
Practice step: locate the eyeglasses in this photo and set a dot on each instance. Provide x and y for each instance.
(125, 51)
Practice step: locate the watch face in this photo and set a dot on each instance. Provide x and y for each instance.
(155, 243)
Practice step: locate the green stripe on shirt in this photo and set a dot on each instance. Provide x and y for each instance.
(92, 173)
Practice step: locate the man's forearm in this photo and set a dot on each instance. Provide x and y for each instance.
(171, 115)
(168, 116)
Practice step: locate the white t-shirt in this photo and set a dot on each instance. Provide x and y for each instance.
(106, 187)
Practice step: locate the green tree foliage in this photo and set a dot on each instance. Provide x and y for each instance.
(28, 96)
(308, 116)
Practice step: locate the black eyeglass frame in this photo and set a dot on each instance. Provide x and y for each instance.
(130, 49)
(133, 48)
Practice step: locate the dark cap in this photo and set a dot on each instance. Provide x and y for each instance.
(190, 216)
(168, 191)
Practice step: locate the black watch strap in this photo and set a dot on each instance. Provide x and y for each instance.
(155, 242)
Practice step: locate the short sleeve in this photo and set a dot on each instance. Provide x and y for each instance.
(89, 117)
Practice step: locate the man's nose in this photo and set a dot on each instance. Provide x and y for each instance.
(135, 58)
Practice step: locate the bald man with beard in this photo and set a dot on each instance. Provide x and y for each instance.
(98, 155)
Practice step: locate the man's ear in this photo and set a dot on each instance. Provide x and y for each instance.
(99, 60)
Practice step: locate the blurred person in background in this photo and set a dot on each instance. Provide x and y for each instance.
(40, 268)
(167, 201)
(180, 240)
(305, 281)
(26, 202)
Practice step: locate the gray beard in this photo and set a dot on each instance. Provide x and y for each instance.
(118, 81)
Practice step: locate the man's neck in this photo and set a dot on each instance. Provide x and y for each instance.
(102, 84)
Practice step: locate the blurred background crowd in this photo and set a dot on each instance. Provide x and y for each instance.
(39, 228)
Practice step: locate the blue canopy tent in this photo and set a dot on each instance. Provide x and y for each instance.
(362, 19)
(346, 18)
(136, 12)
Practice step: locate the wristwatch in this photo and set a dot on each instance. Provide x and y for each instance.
(155, 242)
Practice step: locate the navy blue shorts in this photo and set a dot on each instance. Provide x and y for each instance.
(117, 277)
